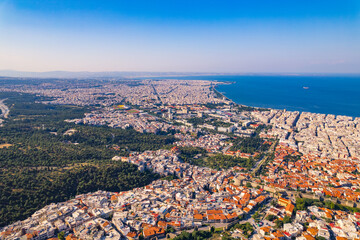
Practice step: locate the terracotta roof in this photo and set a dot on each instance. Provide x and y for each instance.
(289, 208)
(266, 229)
(308, 236)
(313, 231)
(153, 231)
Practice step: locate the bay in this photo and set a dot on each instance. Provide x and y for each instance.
(339, 95)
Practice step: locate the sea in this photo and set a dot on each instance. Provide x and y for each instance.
(339, 95)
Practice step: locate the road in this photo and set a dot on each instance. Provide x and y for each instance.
(156, 93)
(227, 148)
(4, 109)
(263, 160)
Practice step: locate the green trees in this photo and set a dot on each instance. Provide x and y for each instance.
(170, 229)
(28, 190)
(320, 238)
(291, 158)
(287, 219)
(220, 161)
(195, 235)
(303, 203)
(249, 145)
(271, 217)
(43, 165)
(247, 228)
(125, 139)
(226, 237)
(279, 223)
(196, 121)
(34, 147)
(256, 216)
(187, 154)
(61, 236)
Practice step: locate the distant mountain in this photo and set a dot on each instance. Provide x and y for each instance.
(125, 74)
(66, 74)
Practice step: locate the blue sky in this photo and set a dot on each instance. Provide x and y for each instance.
(199, 36)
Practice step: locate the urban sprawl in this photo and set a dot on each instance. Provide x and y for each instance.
(301, 156)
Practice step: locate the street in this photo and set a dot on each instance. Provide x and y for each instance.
(4, 109)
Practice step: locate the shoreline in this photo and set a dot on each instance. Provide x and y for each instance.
(232, 101)
(269, 108)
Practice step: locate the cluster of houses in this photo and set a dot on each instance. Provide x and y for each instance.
(201, 196)
(209, 142)
(320, 176)
(334, 137)
(312, 223)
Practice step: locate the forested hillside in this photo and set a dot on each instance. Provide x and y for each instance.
(40, 163)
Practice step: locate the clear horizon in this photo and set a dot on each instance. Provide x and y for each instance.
(232, 37)
(188, 73)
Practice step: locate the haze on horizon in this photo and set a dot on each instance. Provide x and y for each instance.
(181, 36)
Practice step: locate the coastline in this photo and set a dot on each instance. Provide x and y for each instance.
(217, 92)
(224, 95)
(327, 94)
(319, 99)
(229, 99)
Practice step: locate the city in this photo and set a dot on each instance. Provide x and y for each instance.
(235, 171)
(179, 120)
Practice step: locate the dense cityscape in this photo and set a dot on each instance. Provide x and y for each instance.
(232, 171)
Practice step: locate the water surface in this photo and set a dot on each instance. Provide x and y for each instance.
(338, 95)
